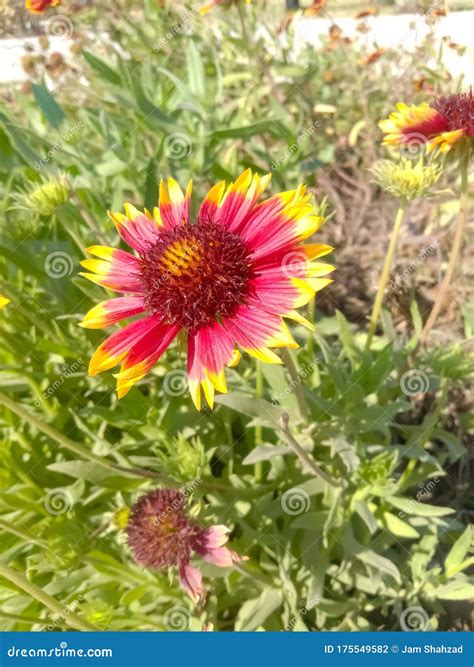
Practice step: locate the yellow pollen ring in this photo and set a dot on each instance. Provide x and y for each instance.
(181, 256)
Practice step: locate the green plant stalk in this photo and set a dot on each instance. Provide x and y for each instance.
(385, 272)
(38, 593)
(64, 441)
(296, 384)
(455, 250)
(258, 428)
(303, 454)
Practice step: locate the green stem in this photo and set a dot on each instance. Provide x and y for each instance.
(38, 593)
(455, 250)
(258, 428)
(385, 272)
(296, 384)
(74, 447)
(303, 454)
(436, 414)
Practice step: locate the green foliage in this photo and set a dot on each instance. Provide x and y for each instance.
(389, 535)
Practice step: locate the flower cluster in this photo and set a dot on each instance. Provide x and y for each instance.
(40, 6)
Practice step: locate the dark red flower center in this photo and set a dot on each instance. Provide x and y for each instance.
(458, 110)
(196, 274)
(159, 532)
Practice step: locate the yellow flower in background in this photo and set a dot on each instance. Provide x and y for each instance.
(214, 3)
(440, 125)
(3, 301)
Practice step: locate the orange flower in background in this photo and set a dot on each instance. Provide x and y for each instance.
(40, 6)
(440, 125)
(214, 3)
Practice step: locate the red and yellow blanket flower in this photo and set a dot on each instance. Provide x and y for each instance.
(214, 3)
(440, 125)
(226, 280)
(40, 6)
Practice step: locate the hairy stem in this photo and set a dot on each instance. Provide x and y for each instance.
(385, 273)
(38, 593)
(453, 258)
(302, 454)
(296, 384)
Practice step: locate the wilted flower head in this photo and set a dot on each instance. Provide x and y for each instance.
(45, 196)
(444, 123)
(405, 179)
(161, 534)
(40, 6)
(213, 3)
(226, 280)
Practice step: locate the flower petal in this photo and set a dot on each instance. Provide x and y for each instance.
(116, 269)
(143, 355)
(209, 350)
(138, 230)
(191, 581)
(112, 311)
(174, 205)
(115, 347)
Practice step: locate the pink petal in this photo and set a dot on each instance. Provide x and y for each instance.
(191, 581)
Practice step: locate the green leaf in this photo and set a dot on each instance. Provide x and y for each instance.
(48, 105)
(458, 552)
(366, 515)
(379, 564)
(253, 613)
(347, 339)
(196, 78)
(265, 453)
(455, 590)
(416, 508)
(399, 528)
(101, 67)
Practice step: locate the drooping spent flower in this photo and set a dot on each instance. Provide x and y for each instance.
(40, 6)
(161, 535)
(226, 280)
(405, 179)
(443, 124)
